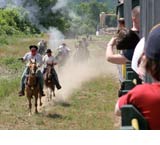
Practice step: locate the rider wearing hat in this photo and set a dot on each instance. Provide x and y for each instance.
(49, 59)
(26, 58)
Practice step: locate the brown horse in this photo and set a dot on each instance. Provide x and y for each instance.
(32, 86)
(49, 81)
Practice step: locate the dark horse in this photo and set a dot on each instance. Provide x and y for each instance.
(32, 86)
(49, 81)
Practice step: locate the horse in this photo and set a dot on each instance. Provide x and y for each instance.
(62, 56)
(32, 87)
(49, 81)
(81, 54)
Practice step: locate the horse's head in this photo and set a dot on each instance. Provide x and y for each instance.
(32, 77)
(32, 66)
(49, 71)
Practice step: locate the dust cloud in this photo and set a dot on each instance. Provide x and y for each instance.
(73, 75)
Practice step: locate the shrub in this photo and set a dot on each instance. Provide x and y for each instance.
(15, 21)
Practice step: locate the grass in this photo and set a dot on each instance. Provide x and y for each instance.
(90, 107)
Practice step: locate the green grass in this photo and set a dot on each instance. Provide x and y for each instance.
(7, 86)
(90, 107)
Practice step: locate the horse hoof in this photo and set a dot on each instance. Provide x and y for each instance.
(29, 114)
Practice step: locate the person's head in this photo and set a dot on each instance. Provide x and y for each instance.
(152, 53)
(136, 17)
(33, 49)
(124, 36)
(120, 36)
(121, 23)
(63, 44)
(49, 52)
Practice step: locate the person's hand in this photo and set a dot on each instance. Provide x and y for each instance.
(112, 42)
(21, 58)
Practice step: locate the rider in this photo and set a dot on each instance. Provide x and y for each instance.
(42, 46)
(63, 49)
(26, 58)
(49, 59)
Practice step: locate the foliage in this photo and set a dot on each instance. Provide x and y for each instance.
(19, 20)
(87, 19)
(15, 21)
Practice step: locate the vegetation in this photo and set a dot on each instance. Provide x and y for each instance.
(88, 19)
(77, 17)
(90, 106)
(13, 21)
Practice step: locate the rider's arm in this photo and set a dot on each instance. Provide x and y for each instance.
(39, 60)
(24, 58)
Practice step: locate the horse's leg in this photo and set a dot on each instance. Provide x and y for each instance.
(30, 105)
(36, 104)
(50, 93)
(40, 99)
(54, 91)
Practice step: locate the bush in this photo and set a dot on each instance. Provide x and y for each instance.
(3, 37)
(15, 21)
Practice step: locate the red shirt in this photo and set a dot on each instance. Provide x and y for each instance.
(146, 98)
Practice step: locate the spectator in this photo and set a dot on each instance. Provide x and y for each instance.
(128, 44)
(146, 97)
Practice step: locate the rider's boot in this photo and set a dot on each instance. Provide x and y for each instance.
(58, 86)
(41, 91)
(21, 93)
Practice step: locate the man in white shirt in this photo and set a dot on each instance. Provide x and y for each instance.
(49, 59)
(26, 58)
(64, 49)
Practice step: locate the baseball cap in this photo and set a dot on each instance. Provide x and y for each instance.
(152, 47)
